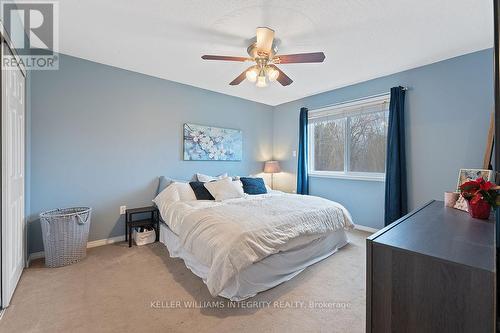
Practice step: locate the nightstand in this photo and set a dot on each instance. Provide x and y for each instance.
(152, 221)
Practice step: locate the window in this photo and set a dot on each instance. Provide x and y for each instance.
(349, 140)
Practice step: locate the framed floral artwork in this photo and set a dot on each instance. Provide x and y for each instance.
(206, 143)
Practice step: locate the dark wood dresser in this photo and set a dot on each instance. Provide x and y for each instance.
(432, 271)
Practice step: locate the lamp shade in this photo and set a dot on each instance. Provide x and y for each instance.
(272, 167)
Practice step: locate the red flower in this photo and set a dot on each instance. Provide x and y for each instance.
(470, 186)
(476, 190)
(480, 180)
(486, 186)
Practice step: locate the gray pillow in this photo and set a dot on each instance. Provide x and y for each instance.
(163, 183)
(206, 178)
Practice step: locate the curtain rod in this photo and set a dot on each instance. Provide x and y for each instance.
(354, 100)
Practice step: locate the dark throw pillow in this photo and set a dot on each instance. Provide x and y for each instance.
(253, 185)
(200, 191)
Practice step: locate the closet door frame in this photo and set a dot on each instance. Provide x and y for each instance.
(5, 41)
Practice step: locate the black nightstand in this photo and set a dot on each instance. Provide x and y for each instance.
(152, 221)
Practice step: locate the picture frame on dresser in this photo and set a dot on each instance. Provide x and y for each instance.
(466, 175)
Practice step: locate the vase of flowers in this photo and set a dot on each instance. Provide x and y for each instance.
(481, 196)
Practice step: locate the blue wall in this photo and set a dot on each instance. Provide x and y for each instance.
(447, 116)
(101, 136)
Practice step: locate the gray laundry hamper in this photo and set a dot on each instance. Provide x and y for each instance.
(65, 234)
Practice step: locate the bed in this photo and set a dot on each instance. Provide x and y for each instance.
(243, 246)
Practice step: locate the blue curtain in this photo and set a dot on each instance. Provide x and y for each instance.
(396, 203)
(302, 172)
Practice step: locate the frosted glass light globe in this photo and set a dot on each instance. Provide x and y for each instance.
(251, 75)
(272, 74)
(261, 82)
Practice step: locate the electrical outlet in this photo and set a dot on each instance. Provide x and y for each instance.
(294, 153)
(123, 209)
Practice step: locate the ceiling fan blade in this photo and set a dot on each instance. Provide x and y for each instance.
(224, 58)
(299, 58)
(240, 77)
(282, 77)
(265, 38)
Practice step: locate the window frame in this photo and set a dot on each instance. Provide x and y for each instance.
(338, 109)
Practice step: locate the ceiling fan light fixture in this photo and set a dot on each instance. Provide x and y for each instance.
(261, 81)
(252, 74)
(263, 52)
(272, 74)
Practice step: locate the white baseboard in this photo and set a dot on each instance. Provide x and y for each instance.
(96, 243)
(364, 228)
(34, 256)
(106, 241)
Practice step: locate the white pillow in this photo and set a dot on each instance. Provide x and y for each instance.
(185, 191)
(225, 189)
(166, 197)
(206, 178)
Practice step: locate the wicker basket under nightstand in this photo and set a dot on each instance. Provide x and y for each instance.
(152, 221)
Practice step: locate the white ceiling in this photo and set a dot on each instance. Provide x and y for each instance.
(362, 39)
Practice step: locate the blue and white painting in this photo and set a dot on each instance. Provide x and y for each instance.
(205, 143)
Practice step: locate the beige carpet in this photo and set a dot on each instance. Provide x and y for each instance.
(142, 289)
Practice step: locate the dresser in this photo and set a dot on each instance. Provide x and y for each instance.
(432, 271)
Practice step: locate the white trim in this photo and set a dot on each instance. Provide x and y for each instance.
(12, 47)
(345, 110)
(364, 228)
(106, 241)
(380, 98)
(96, 243)
(34, 256)
(367, 176)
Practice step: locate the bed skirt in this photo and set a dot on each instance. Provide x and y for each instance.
(265, 274)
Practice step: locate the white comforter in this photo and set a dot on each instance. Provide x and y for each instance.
(229, 236)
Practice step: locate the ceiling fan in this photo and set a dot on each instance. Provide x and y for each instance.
(263, 53)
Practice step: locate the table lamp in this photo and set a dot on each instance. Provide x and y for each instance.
(272, 167)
